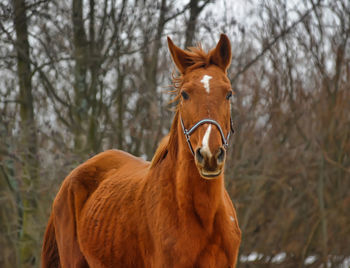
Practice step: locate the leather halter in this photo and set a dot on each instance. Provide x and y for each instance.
(188, 132)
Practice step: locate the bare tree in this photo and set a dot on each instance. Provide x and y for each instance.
(29, 138)
(79, 77)
(196, 7)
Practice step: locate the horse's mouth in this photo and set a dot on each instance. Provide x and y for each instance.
(210, 174)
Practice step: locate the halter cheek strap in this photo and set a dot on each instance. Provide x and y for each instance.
(188, 132)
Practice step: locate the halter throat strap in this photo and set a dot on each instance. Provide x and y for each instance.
(188, 132)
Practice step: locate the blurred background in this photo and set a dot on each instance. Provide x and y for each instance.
(81, 76)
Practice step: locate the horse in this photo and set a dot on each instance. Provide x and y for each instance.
(117, 210)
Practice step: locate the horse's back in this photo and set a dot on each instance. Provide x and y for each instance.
(87, 177)
(76, 189)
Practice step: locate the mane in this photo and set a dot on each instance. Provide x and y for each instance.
(161, 151)
(167, 146)
(198, 57)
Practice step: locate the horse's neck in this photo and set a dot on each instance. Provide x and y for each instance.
(194, 194)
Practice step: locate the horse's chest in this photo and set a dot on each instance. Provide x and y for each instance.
(221, 249)
(196, 247)
(213, 255)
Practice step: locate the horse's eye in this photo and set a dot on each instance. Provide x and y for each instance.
(184, 95)
(229, 95)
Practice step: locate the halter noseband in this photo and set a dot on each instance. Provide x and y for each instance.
(188, 132)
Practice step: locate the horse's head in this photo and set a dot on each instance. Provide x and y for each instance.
(204, 107)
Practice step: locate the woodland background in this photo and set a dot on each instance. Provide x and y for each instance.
(81, 76)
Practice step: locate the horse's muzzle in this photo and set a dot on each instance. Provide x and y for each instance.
(210, 165)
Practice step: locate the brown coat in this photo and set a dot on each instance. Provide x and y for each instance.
(116, 210)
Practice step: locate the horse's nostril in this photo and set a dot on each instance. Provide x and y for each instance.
(199, 156)
(221, 155)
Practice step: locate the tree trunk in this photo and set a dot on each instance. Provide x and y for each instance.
(195, 10)
(94, 138)
(27, 235)
(80, 87)
(151, 61)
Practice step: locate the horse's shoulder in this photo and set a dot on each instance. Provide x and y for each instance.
(228, 201)
(233, 216)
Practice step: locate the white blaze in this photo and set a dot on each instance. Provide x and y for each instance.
(205, 142)
(205, 81)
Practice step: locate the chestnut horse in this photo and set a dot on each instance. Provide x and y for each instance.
(117, 210)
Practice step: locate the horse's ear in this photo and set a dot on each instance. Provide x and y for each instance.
(221, 54)
(180, 57)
